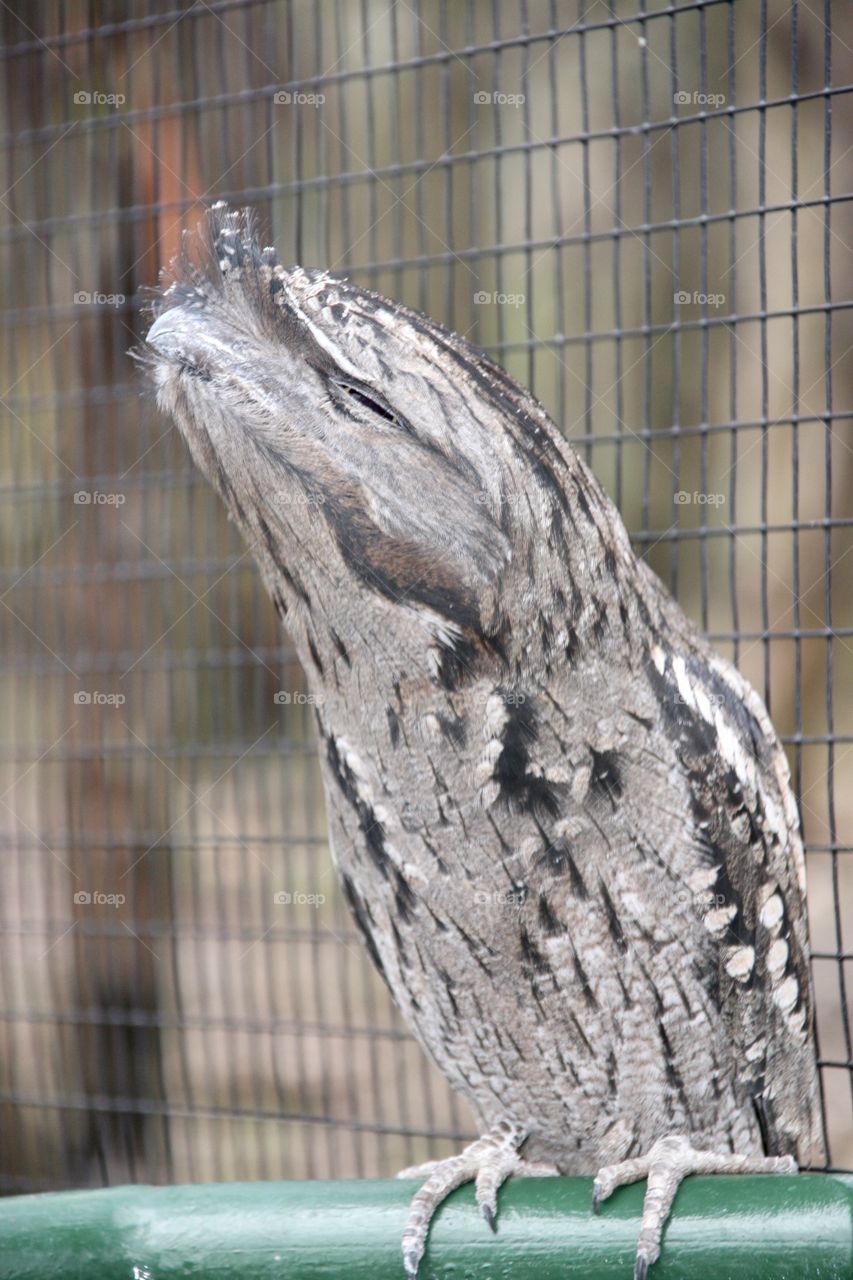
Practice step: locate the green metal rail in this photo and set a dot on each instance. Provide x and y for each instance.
(722, 1228)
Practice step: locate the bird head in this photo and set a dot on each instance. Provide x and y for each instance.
(363, 450)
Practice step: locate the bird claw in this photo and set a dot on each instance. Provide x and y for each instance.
(664, 1166)
(492, 1159)
(487, 1163)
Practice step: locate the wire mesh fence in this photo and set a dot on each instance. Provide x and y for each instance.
(643, 210)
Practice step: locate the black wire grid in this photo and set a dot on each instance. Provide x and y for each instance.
(643, 210)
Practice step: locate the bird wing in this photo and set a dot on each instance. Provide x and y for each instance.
(744, 825)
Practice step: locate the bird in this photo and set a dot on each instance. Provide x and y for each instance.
(563, 824)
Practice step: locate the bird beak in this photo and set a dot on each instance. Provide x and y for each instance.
(162, 335)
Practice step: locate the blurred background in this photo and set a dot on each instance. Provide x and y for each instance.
(642, 209)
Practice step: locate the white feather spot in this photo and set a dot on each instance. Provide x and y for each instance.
(489, 794)
(755, 1051)
(357, 767)
(774, 819)
(430, 727)
(580, 782)
(715, 921)
(703, 878)
(496, 714)
(786, 994)
(682, 679)
(771, 913)
(570, 827)
(413, 872)
(777, 958)
(483, 772)
(658, 658)
(636, 907)
(739, 963)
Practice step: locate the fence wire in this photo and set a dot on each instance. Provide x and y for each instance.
(643, 210)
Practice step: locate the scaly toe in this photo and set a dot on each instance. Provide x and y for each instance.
(488, 1162)
(612, 1176)
(666, 1164)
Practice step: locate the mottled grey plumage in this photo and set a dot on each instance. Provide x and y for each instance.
(562, 823)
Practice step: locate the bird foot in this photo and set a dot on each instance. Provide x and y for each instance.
(669, 1161)
(487, 1163)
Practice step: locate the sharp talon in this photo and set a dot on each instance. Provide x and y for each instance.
(489, 1214)
(411, 1261)
(596, 1198)
(641, 1269)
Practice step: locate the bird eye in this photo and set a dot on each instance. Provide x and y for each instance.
(363, 398)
